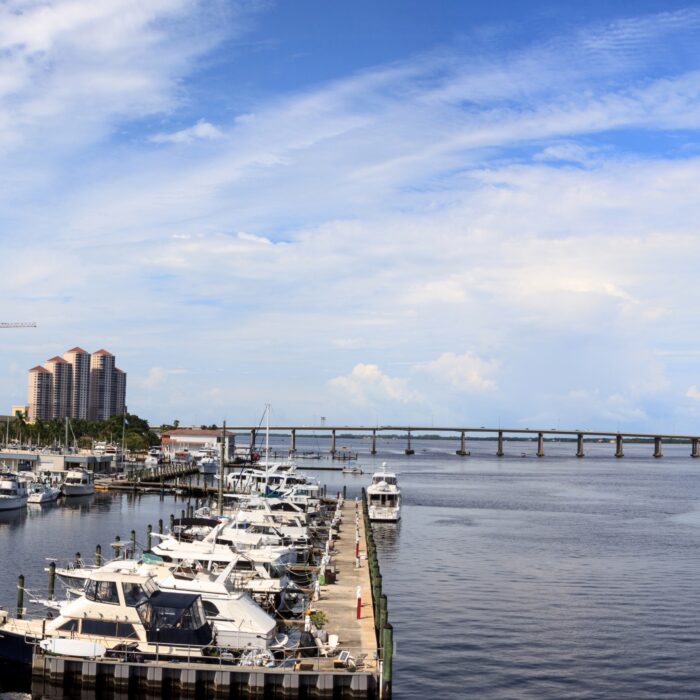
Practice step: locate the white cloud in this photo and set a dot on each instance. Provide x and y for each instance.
(158, 376)
(693, 393)
(202, 130)
(367, 384)
(465, 372)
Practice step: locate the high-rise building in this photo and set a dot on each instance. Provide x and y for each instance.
(102, 385)
(62, 387)
(77, 385)
(79, 360)
(39, 394)
(119, 392)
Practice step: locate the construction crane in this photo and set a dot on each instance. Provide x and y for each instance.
(29, 324)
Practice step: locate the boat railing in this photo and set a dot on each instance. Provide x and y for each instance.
(314, 658)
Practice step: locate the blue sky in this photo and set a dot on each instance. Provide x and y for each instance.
(452, 212)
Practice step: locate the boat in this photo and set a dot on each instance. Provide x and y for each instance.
(181, 457)
(207, 461)
(384, 497)
(78, 482)
(40, 492)
(13, 492)
(352, 470)
(117, 608)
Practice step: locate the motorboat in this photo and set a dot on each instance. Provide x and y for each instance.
(181, 457)
(238, 621)
(384, 497)
(207, 462)
(116, 608)
(78, 482)
(352, 470)
(40, 492)
(13, 492)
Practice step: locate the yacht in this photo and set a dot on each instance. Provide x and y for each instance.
(207, 461)
(40, 492)
(115, 608)
(384, 497)
(13, 492)
(78, 482)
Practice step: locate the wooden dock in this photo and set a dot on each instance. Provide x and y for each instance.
(317, 676)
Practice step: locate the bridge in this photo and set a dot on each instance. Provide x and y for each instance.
(500, 434)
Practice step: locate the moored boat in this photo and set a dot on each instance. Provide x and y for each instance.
(384, 497)
(40, 492)
(78, 482)
(13, 492)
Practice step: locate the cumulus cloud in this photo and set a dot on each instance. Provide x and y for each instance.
(367, 384)
(465, 372)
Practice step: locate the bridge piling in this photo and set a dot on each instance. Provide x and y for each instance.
(657, 448)
(333, 450)
(619, 452)
(540, 444)
(409, 449)
(462, 451)
(374, 442)
(579, 445)
(695, 451)
(499, 449)
(292, 441)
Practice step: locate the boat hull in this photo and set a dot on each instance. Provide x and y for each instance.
(13, 502)
(15, 647)
(78, 489)
(384, 515)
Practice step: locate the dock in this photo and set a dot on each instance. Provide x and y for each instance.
(348, 595)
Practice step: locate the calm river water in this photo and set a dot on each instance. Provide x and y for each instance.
(516, 577)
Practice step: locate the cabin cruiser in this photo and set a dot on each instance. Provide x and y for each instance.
(115, 608)
(238, 621)
(207, 461)
(13, 492)
(272, 477)
(384, 497)
(154, 457)
(78, 482)
(181, 457)
(41, 492)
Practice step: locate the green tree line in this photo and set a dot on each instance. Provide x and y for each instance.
(138, 435)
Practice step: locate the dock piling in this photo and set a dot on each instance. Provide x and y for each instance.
(20, 596)
(52, 579)
(149, 533)
(98, 555)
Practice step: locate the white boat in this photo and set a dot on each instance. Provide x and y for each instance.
(181, 457)
(115, 609)
(207, 462)
(13, 492)
(384, 497)
(78, 482)
(352, 470)
(40, 492)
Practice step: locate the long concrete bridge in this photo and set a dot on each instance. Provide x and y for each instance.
(500, 434)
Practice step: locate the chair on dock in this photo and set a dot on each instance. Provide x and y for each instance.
(328, 648)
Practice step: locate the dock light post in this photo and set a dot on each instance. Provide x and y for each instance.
(358, 595)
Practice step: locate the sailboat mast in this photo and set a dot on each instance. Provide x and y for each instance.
(267, 444)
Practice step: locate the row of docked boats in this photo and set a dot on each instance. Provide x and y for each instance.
(18, 489)
(214, 586)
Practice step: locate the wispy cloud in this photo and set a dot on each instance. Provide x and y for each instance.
(508, 203)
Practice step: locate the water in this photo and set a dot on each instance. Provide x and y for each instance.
(507, 578)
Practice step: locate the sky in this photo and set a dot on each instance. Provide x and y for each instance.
(398, 212)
